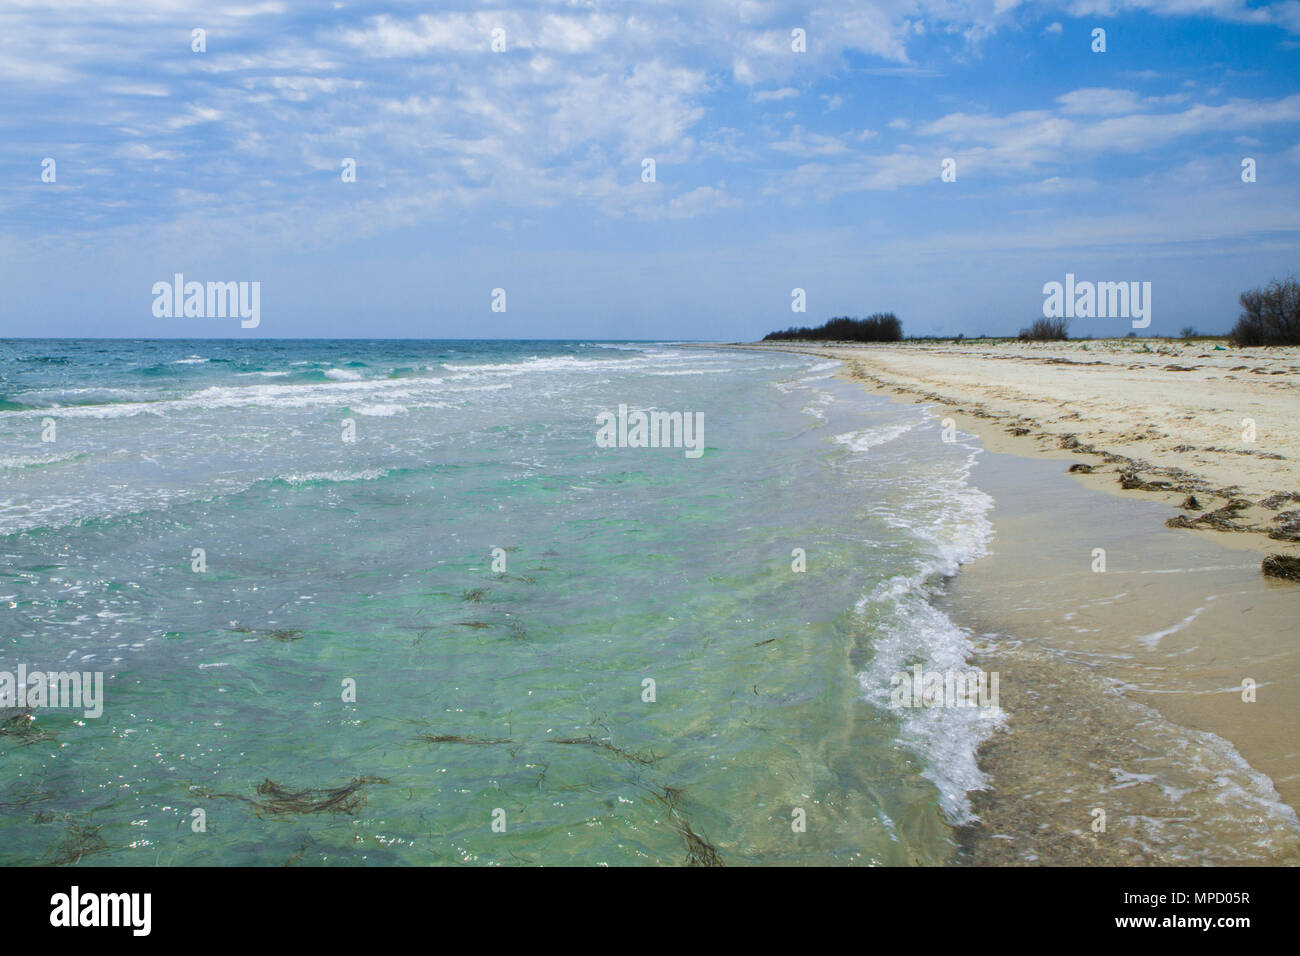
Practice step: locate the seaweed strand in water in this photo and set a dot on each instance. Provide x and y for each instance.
(278, 800)
(460, 739)
(79, 842)
(23, 726)
(699, 851)
(589, 741)
(281, 634)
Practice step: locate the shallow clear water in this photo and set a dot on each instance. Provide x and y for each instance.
(371, 561)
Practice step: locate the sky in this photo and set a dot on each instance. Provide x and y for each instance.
(777, 164)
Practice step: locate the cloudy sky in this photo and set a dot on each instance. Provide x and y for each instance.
(522, 169)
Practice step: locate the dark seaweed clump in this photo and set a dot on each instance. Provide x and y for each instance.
(277, 800)
(283, 635)
(699, 851)
(1284, 566)
(22, 726)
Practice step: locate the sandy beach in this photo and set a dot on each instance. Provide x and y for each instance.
(1124, 681)
(1161, 419)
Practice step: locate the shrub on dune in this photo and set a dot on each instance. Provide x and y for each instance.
(1046, 330)
(1269, 316)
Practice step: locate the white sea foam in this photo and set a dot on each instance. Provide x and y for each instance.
(1153, 639)
(333, 477)
(42, 399)
(868, 438)
(1217, 780)
(909, 630)
(35, 461)
(942, 510)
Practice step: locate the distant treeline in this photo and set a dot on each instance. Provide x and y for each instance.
(1269, 316)
(881, 327)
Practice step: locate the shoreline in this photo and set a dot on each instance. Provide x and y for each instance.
(1123, 689)
(1119, 455)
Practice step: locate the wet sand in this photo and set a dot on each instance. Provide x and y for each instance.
(1124, 686)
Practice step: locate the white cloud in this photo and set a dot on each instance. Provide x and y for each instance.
(1098, 100)
(565, 116)
(802, 143)
(766, 96)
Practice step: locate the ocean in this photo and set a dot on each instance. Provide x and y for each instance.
(391, 602)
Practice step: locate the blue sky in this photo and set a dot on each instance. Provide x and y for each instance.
(522, 169)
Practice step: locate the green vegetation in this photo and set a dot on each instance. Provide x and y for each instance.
(881, 327)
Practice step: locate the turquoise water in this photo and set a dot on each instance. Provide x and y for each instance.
(482, 692)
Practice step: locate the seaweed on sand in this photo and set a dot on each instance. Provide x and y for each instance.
(1286, 527)
(1276, 501)
(278, 800)
(1221, 519)
(590, 741)
(475, 624)
(475, 596)
(1284, 566)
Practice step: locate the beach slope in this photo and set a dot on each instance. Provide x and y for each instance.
(1211, 429)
